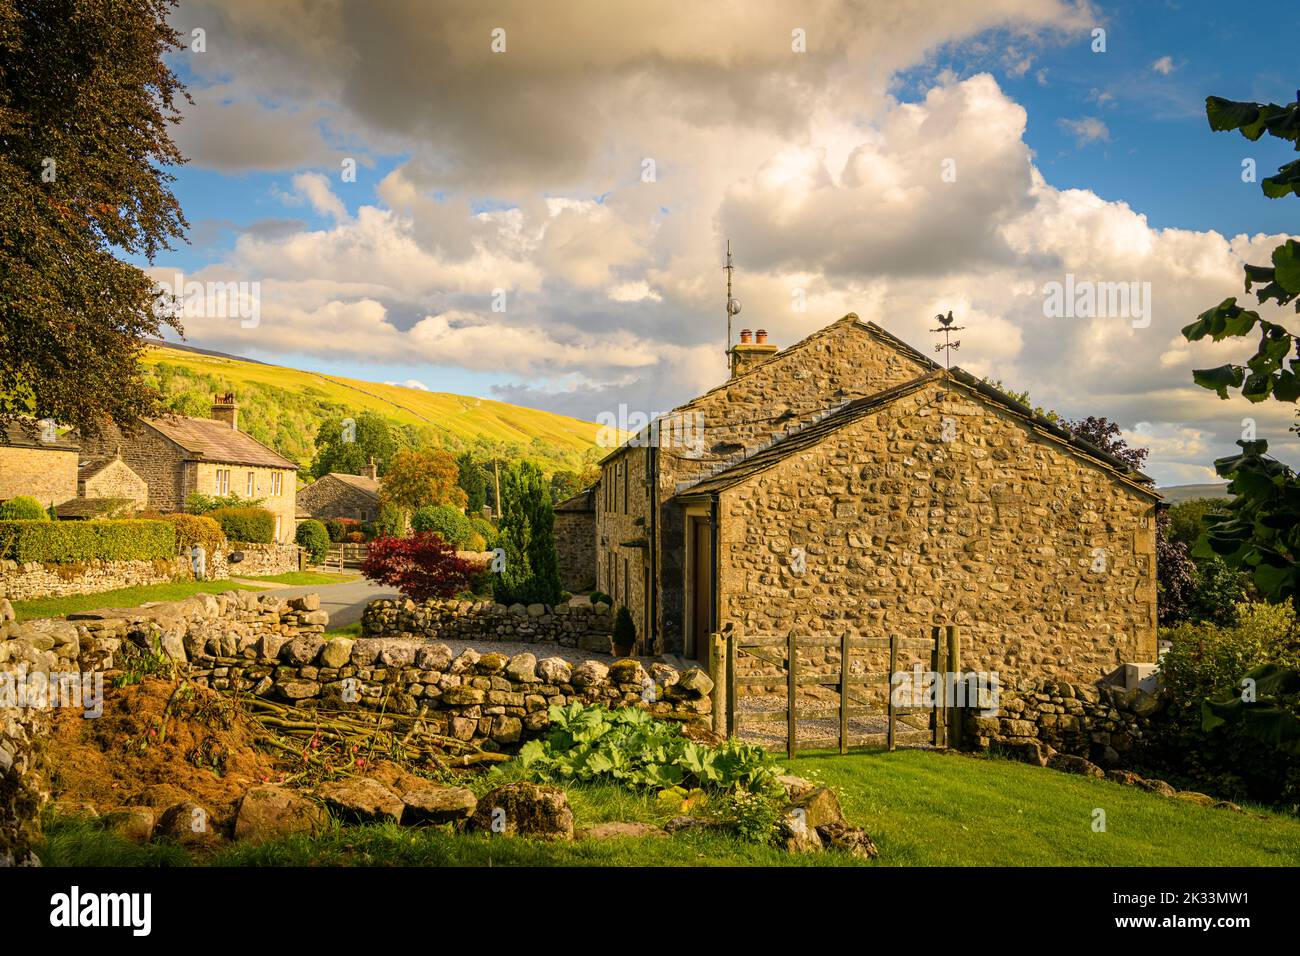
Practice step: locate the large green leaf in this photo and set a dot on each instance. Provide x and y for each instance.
(1286, 265)
(1220, 379)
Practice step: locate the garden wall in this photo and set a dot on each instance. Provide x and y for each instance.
(26, 580)
(577, 624)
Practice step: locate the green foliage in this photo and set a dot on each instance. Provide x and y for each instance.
(135, 663)
(23, 508)
(313, 537)
(1218, 591)
(348, 443)
(447, 522)
(600, 597)
(624, 628)
(590, 743)
(472, 481)
(1268, 711)
(391, 522)
(527, 533)
(1187, 518)
(65, 542)
(248, 524)
(753, 816)
(197, 503)
(485, 529)
(196, 529)
(564, 485)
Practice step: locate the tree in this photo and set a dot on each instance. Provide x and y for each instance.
(527, 533)
(424, 477)
(472, 481)
(347, 445)
(85, 104)
(446, 522)
(1107, 436)
(1175, 576)
(1187, 518)
(422, 566)
(564, 485)
(1258, 532)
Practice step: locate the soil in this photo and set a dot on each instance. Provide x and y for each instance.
(156, 745)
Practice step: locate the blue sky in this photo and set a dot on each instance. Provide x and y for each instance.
(460, 189)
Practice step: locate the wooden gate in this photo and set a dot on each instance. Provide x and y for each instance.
(860, 692)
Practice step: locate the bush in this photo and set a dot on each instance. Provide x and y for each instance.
(23, 508)
(445, 521)
(196, 529)
(65, 542)
(624, 628)
(421, 566)
(354, 537)
(485, 529)
(197, 503)
(475, 542)
(314, 538)
(250, 525)
(339, 528)
(391, 522)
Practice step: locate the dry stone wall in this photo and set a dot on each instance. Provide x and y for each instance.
(578, 623)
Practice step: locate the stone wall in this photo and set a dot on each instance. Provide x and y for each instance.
(330, 497)
(1105, 723)
(22, 582)
(577, 624)
(575, 546)
(47, 474)
(1044, 559)
(115, 480)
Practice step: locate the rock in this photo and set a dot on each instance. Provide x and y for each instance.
(588, 673)
(434, 804)
(554, 670)
(536, 610)
(6, 611)
(492, 662)
(522, 668)
(507, 730)
(1228, 805)
(525, 809)
(132, 823)
(1125, 778)
(795, 836)
(187, 823)
(1069, 763)
(298, 689)
(608, 831)
(664, 675)
(435, 657)
(696, 682)
(1156, 786)
(269, 812)
(1191, 796)
(1146, 704)
(852, 840)
(627, 671)
(1026, 751)
(465, 661)
(795, 787)
(302, 649)
(819, 807)
(307, 602)
(678, 824)
(337, 652)
(362, 799)
(463, 696)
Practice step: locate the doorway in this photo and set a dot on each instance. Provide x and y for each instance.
(699, 586)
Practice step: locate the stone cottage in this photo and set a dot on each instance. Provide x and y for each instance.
(575, 540)
(37, 463)
(177, 456)
(340, 495)
(847, 483)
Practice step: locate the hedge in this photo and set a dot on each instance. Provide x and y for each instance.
(446, 522)
(311, 534)
(64, 542)
(197, 529)
(249, 525)
(23, 508)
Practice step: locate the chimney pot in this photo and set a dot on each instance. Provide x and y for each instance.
(225, 409)
(761, 336)
(745, 335)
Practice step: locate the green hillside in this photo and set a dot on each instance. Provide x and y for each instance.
(284, 408)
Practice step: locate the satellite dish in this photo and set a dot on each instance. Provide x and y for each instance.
(733, 306)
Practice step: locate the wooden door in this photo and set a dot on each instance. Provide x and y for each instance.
(701, 585)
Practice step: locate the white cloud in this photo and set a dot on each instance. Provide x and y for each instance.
(1086, 130)
(1164, 66)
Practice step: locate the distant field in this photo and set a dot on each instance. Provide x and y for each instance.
(1178, 493)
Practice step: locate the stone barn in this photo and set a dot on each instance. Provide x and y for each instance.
(340, 495)
(848, 484)
(575, 540)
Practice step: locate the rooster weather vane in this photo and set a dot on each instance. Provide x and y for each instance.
(947, 346)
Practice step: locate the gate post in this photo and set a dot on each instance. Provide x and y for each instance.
(731, 683)
(938, 685)
(889, 689)
(956, 715)
(844, 692)
(717, 661)
(791, 692)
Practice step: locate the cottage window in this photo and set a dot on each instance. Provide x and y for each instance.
(625, 498)
(252, 485)
(223, 481)
(277, 483)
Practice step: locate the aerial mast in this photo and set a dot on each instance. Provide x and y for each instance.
(733, 305)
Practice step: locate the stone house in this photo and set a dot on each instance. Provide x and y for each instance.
(340, 495)
(177, 456)
(106, 487)
(847, 483)
(33, 466)
(575, 540)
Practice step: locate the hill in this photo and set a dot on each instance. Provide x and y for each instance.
(284, 407)
(1176, 494)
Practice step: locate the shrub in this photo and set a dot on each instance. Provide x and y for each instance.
(251, 525)
(445, 521)
(196, 529)
(421, 566)
(354, 537)
(23, 508)
(338, 528)
(314, 538)
(486, 529)
(532, 571)
(391, 522)
(64, 542)
(624, 628)
(197, 503)
(475, 542)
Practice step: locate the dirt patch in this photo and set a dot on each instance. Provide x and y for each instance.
(157, 743)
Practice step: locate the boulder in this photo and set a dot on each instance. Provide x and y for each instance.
(554, 670)
(187, 823)
(492, 662)
(588, 673)
(695, 681)
(434, 657)
(361, 799)
(132, 823)
(465, 661)
(627, 671)
(1156, 786)
(1191, 796)
(1072, 764)
(795, 836)
(269, 812)
(525, 809)
(795, 787)
(307, 602)
(434, 804)
(819, 807)
(522, 668)
(337, 653)
(1125, 778)
(1026, 751)
(608, 831)
(852, 840)
(6, 610)
(302, 649)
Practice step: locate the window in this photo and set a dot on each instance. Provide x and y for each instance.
(625, 498)
(277, 527)
(277, 483)
(252, 485)
(223, 481)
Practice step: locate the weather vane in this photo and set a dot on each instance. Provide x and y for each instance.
(733, 305)
(946, 327)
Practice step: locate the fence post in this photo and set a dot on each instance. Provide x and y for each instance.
(938, 662)
(791, 692)
(717, 660)
(731, 683)
(889, 687)
(955, 716)
(844, 692)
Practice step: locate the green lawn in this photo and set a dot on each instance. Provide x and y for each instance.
(122, 597)
(921, 808)
(302, 578)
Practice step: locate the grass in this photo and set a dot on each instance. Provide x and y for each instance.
(302, 578)
(347, 630)
(921, 808)
(122, 597)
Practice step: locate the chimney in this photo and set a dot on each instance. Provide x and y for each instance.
(371, 470)
(748, 353)
(225, 409)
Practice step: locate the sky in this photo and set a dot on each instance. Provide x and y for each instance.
(543, 192)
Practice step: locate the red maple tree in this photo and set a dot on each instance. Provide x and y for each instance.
(421, 566)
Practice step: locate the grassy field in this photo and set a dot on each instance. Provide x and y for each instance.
(303, 578)
(921, 808)
(122, 597)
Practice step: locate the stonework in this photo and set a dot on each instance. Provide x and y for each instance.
(47, 474)
(339, 496)
(575, 541)
(112, 479)
(576, 624)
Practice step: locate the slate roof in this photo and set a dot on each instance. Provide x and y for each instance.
(211, 440)
(362, 483)
(814, 433)
(583, 501)
(16, 436)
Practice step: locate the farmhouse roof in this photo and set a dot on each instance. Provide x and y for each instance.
(17, 435)
(216, 441)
